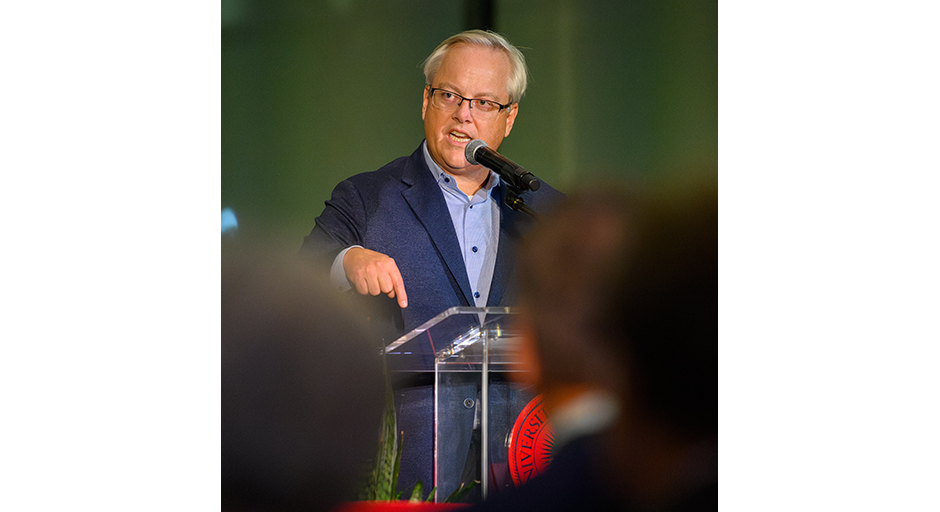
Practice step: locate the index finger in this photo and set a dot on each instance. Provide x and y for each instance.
(398, 286)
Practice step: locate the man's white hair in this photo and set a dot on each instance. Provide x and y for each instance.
(518, 75)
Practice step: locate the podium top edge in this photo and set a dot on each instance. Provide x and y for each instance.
(453, 311)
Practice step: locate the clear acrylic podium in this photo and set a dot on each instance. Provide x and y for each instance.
(471, 352)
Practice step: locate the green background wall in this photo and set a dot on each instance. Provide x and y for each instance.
(313, 92)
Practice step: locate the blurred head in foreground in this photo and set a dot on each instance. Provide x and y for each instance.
(302, 390)
(619, 294)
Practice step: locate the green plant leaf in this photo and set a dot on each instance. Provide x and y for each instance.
(461, 492)
(416, 492)
(397, 466)
(381, 484)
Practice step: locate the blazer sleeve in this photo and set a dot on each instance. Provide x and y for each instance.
(342, 224)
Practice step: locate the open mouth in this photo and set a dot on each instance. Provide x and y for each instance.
(459, 137)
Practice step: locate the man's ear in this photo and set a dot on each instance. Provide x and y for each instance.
(424, 104)
(511, 118)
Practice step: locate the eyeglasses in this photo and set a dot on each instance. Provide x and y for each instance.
(449, 101)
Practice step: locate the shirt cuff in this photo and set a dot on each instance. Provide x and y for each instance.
(338, 273)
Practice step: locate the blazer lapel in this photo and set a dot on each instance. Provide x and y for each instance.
(512, 225)
(426, 200)
(506, 249)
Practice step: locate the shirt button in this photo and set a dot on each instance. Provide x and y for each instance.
(476, 295)
(475, 248)
(446, 179)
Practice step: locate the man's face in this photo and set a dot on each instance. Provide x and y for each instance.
(472, 72)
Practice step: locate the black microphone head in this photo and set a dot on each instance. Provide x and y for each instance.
(470, 151)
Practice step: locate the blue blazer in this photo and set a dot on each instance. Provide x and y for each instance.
(399, 210)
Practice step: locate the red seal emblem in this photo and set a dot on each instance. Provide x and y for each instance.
(530, 443)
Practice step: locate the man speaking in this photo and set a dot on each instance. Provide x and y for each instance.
(430, 231)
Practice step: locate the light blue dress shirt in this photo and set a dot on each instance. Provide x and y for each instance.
(476, 222)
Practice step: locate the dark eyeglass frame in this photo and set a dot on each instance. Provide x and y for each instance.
(471, 100)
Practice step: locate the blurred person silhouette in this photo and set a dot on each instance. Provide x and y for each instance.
(619, 323)
(302, 390)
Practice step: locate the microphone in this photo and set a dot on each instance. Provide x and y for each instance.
(478, 153)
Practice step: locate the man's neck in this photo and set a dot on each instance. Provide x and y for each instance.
(472, 182)
(469, 182)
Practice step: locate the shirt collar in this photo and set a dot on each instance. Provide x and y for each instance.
(439, 173)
